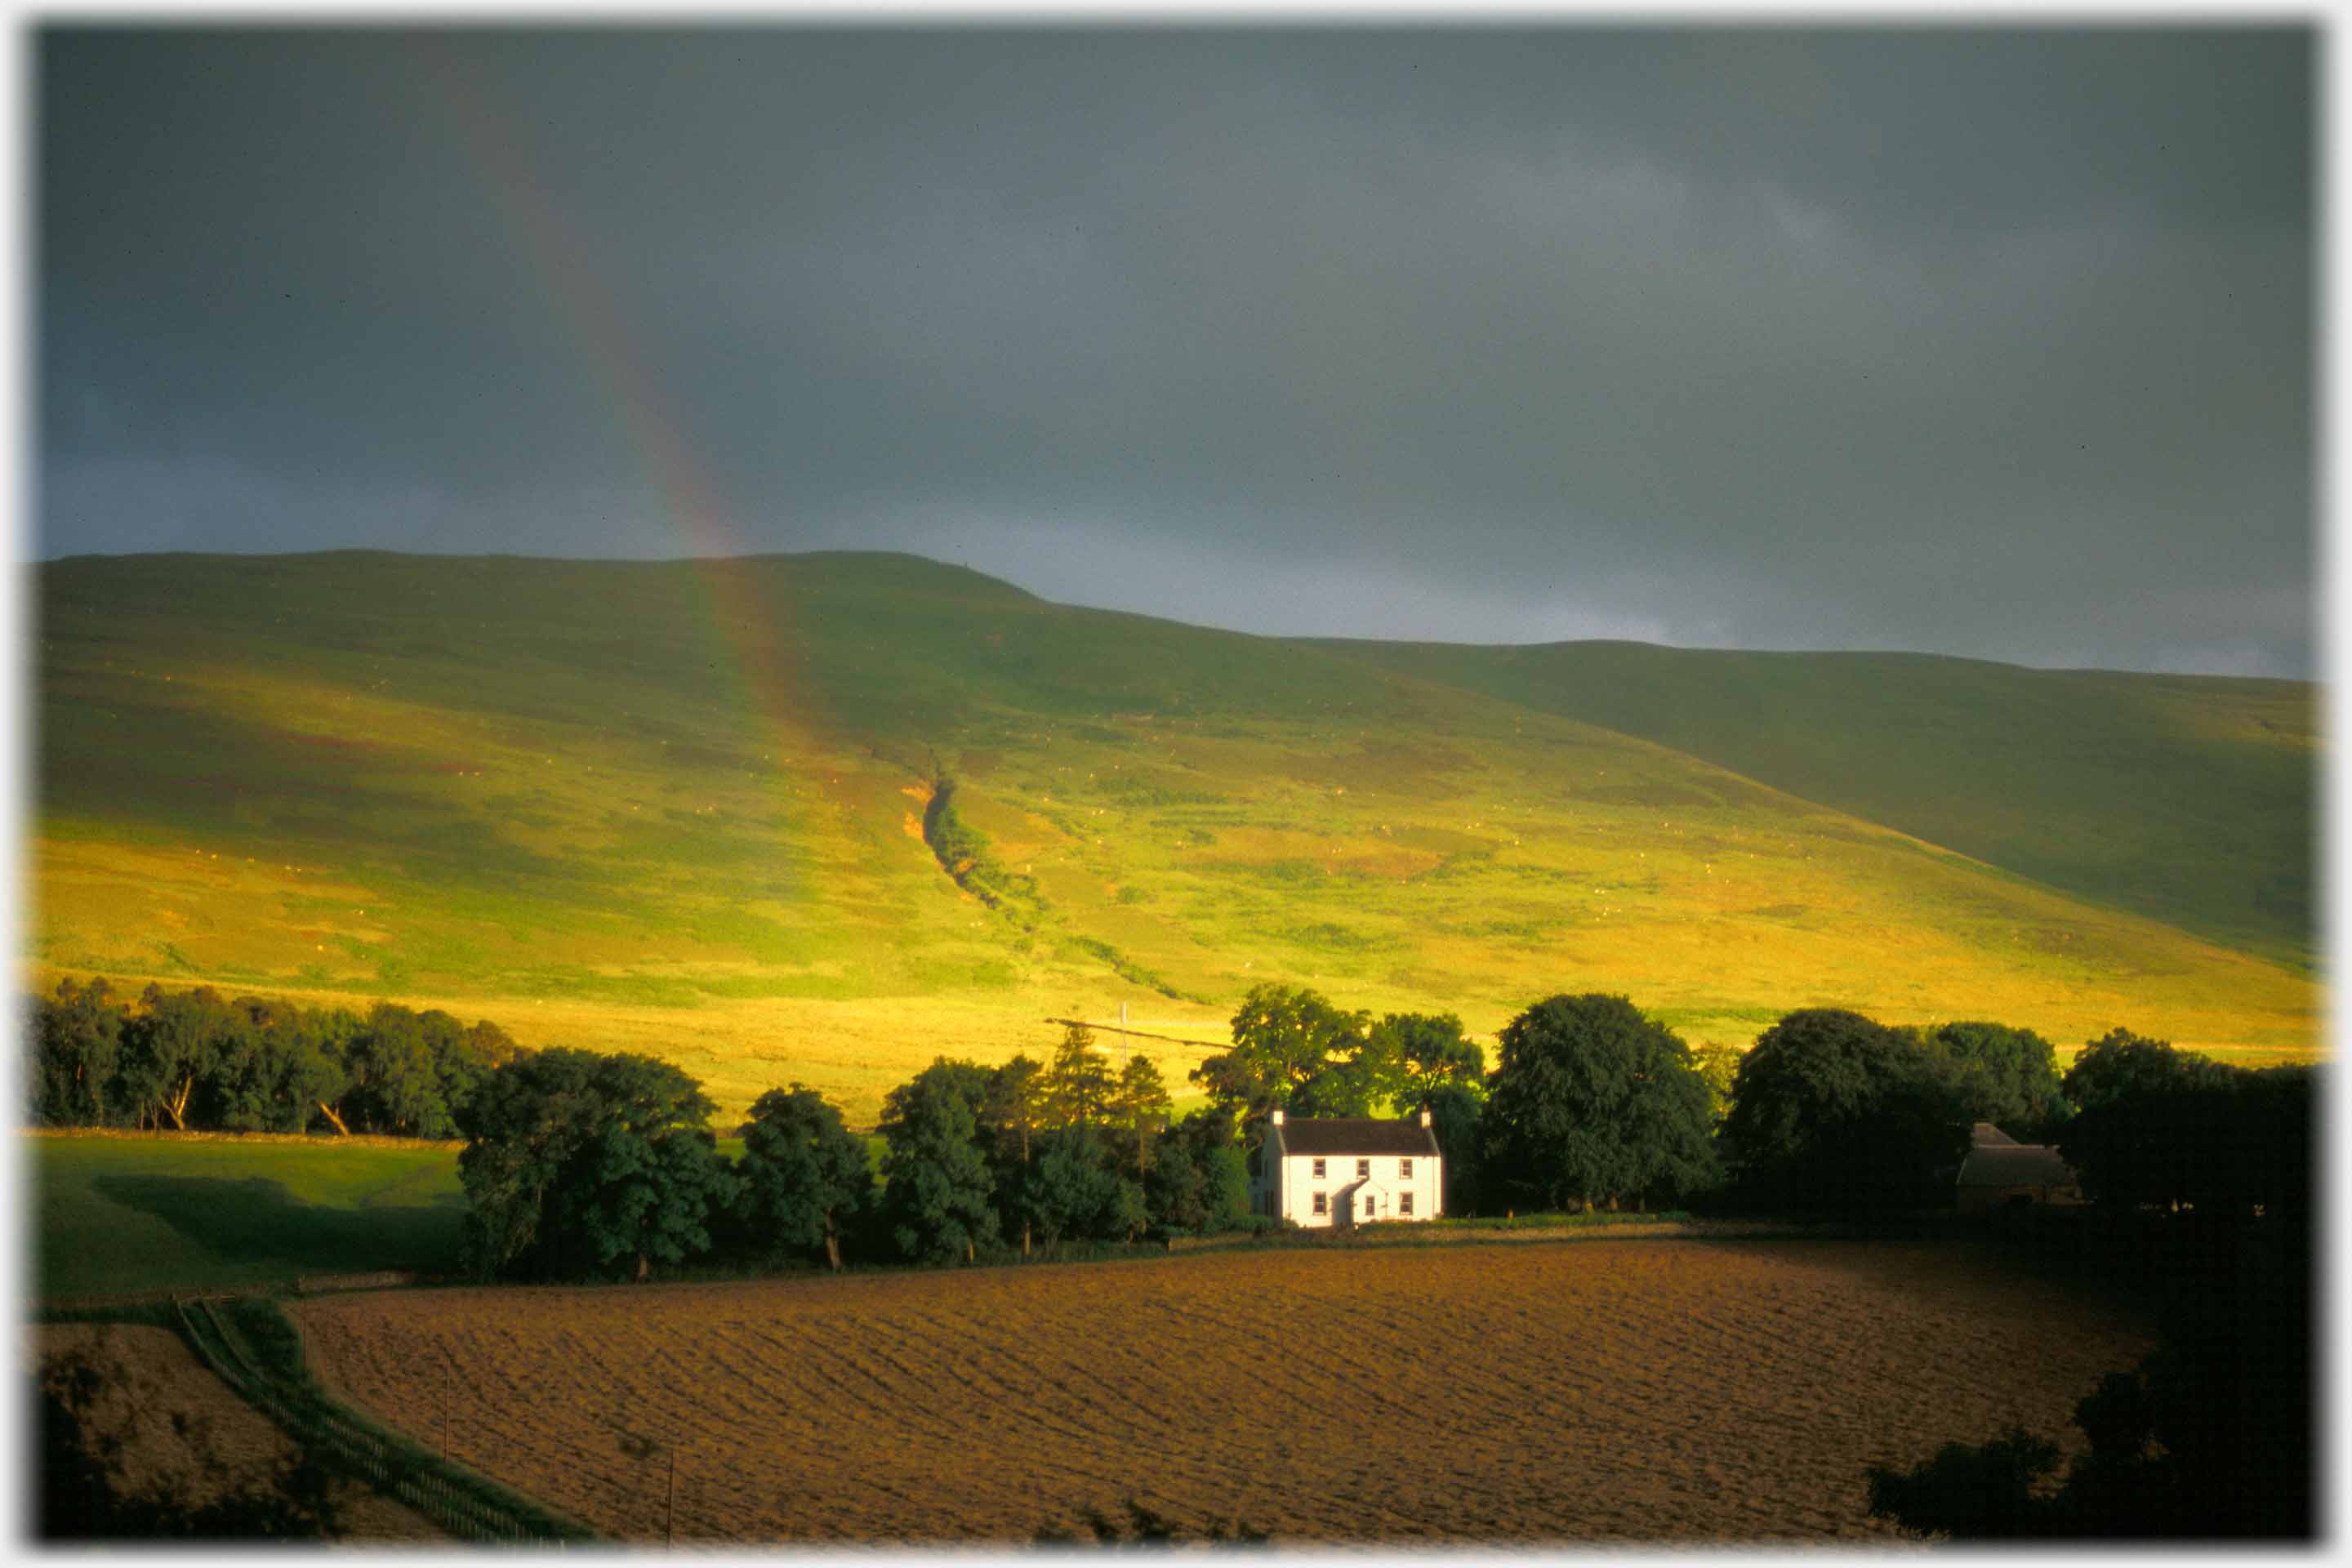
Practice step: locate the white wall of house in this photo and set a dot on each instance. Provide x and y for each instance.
(1379, 1195)
(1370, 1187)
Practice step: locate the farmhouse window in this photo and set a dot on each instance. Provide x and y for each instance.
(1319, 1167)
(1363, 1169)
(1368, 1205)
(1404, 1169)
(1322, 1204)
(1405, 1203)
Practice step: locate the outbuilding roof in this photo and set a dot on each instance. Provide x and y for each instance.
(1354, 1135)
(2015, 1165)
(1985, 1135)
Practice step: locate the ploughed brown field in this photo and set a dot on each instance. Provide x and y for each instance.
(164, 1423)
(1576, 1391)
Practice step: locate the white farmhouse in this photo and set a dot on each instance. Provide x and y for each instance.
(1346, 1170)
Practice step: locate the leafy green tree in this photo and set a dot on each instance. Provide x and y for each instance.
(171, 1045)
(1225, 1180)
(1138, 1108)
(1200, 1177)
(1077, 1082)
(577, 1163)
(966, 1079)
(657, 1198)
(77, 1042)
(1012, 1111)
(1174, 1191)
(339, 1031)
(1357, 1082)
(395, 1076)
(1075, 1190)
(1014, 1104)
(270, 1075)
(2152, 1124)
(2158, 1125)
(255, 1065)
(1429, 1051)
(1457, 1117)
(803, 1178)
(2120, 1065)
(309, 1067)
(240, 1093)
(1284, 1038)
(1832, 1110)
(463, 1056)
(2006, 1076)
(1592, 1103)
(1979, 1492)
(2276, 1135)
(938, 1192)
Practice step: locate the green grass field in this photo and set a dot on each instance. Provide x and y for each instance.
(679, 809)
(120, 1215)
(116, 1215)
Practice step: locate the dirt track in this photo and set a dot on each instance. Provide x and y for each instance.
(1585, 1391)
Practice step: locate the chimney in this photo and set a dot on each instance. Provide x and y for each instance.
(1425, 1116)
(1277, 1116)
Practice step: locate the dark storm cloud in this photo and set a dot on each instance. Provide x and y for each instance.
(1995, 343)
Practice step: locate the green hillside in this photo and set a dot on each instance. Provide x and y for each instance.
(688, 807)
(2185, 798)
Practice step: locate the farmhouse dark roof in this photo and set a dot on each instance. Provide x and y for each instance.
(1985, 1135)
(1356, 1135)
(2015, 1165)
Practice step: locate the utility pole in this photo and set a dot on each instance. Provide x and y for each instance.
(669, 1511)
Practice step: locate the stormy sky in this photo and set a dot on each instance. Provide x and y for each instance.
(1995, 342)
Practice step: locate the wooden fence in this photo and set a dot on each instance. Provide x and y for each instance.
(306, 1285)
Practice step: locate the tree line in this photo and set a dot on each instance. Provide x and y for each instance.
(578, 1164)
(192, 1061)
(1593, 1104)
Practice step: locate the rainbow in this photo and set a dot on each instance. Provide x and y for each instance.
(751, 626)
